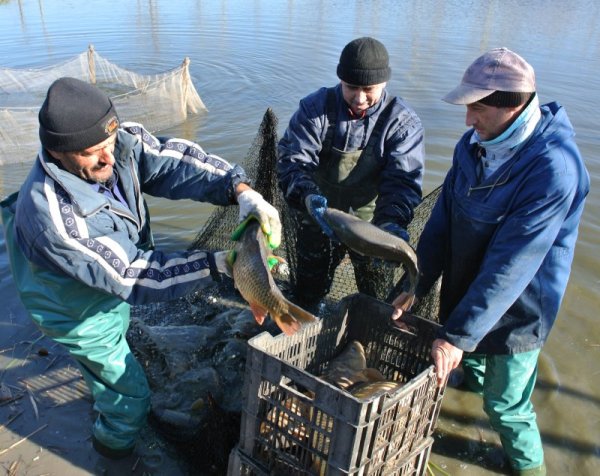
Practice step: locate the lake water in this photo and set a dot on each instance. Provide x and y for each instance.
(247, 56)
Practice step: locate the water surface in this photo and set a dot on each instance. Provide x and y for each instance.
(247, 56)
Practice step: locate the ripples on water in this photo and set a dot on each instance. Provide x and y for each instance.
(248, 56)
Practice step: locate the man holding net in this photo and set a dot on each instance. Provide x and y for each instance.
(81, 247)
(502, 236)
(356, 148)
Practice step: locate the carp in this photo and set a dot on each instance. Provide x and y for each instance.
(369, 240)
(349, 370)
(253, 279)
(372, 389)
(345, 370)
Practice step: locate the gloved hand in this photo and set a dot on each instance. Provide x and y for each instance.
(316, 206)
(223, 263)
(395, 230)
(252, 203)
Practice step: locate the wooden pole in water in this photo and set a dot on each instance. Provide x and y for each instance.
(91, 64)
(185, 86)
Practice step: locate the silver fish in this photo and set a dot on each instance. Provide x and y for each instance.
(369, 240)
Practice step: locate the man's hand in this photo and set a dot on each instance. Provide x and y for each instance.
(252, 203)
(316, 206)
(402, 303)
(446, 358)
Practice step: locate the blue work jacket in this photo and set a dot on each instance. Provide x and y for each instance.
(399, 153)
(505, 246)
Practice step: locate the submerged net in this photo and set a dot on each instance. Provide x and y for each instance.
(159, 101)
(260, 165)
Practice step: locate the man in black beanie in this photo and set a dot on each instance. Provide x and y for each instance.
(356, 148)
(81, 248)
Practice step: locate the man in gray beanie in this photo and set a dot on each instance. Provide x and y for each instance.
(81, 248)
(356, 148)
(502, 237)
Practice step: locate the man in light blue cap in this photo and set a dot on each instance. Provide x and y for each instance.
(502, 236)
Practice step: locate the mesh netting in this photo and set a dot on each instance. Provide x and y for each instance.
(158, 101)
(260, 165)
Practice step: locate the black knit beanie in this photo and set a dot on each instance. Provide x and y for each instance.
(76, 115)
(364, 62)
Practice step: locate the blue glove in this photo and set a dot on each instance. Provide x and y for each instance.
(316, 206)
(396, 230)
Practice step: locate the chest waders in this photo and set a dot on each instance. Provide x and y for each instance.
(92, 327)
(349, 180)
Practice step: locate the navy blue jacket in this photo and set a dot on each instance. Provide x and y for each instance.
(400, 153)
(505, 246)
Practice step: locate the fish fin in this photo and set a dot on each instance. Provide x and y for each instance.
(260, 313)
(291, 321)
(287, 323)
(373, 375)
(300, 314)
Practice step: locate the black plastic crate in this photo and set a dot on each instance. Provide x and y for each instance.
(415, 464)
(296, 423)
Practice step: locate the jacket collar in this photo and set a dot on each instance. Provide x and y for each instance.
(83, 197)
(552, 128)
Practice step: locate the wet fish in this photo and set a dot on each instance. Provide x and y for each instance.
(253, 279)
(344, 370)
(372, 389)
(349, 368)
(369, 240)
(352, 358)
(284, 426)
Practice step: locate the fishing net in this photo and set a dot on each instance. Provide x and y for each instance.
(158, 101)
(260, 165)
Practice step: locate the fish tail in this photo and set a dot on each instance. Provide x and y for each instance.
(300, 314)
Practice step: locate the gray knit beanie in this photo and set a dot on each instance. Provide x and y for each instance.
(364, 62)
(76, 115)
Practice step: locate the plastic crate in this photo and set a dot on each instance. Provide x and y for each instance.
(296, 423)
(415, 464)
(240, 464)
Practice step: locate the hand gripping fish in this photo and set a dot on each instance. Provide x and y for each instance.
(369, 240)
(253, 279)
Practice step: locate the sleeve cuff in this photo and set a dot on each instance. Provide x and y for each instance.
(238, 176)
(214, 271)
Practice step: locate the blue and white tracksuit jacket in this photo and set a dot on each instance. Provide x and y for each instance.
(80, 258)
(63, 225)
